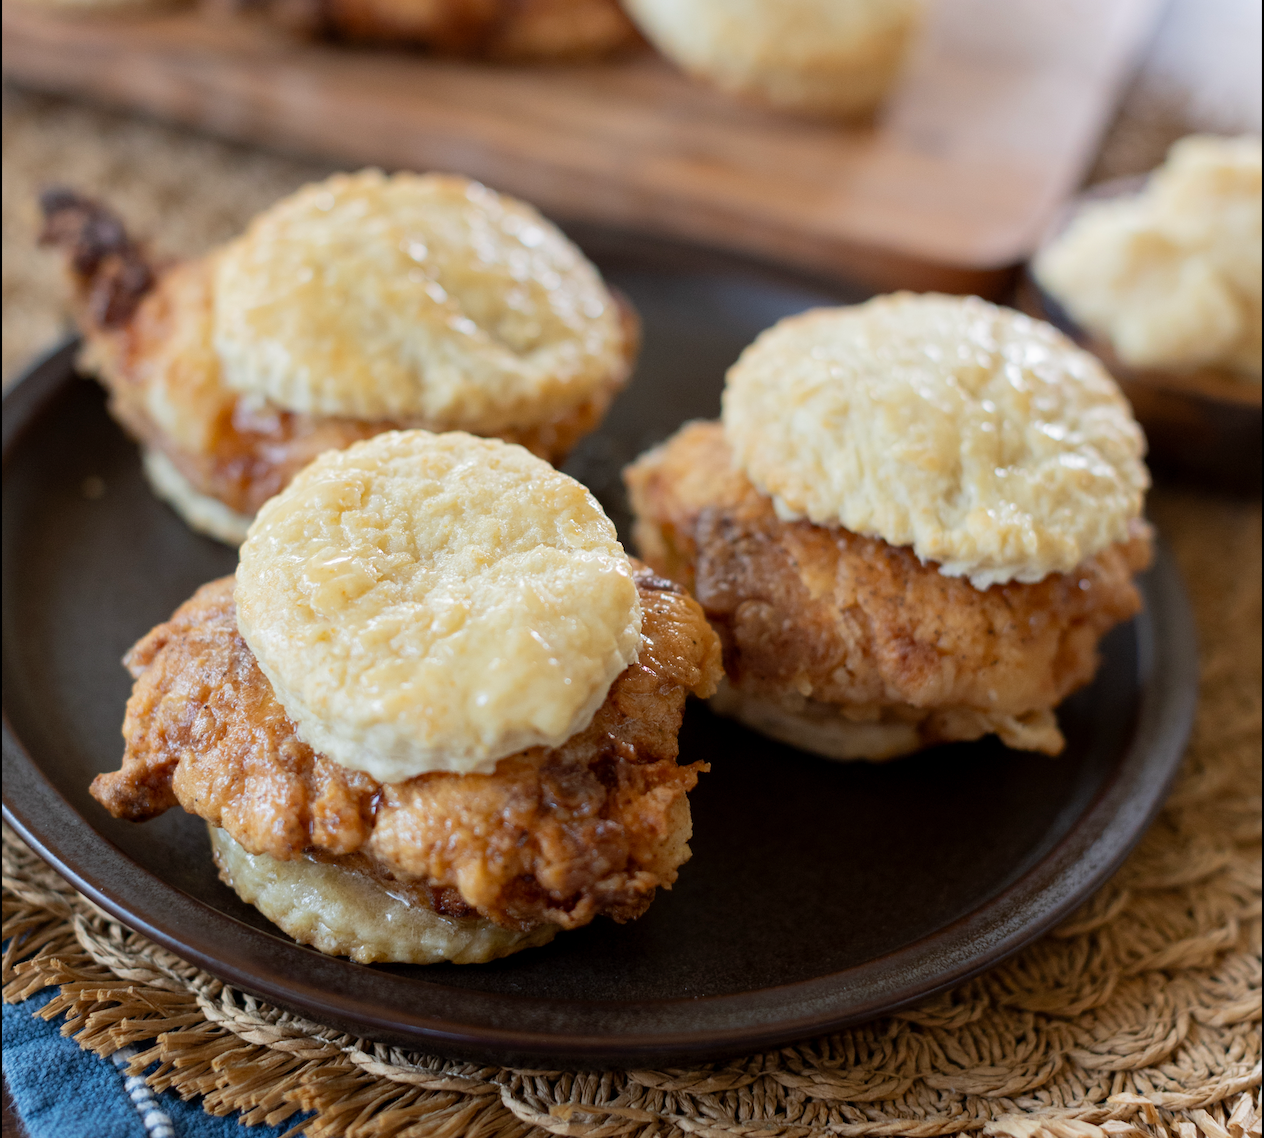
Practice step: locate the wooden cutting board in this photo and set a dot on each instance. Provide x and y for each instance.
(998, 113)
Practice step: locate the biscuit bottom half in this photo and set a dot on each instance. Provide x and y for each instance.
(343, 912)
(837, 731)
(202, 512)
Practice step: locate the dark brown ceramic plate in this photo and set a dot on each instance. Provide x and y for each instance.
(820, 894)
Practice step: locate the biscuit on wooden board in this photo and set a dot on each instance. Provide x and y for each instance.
(834, 58)
(986, 441)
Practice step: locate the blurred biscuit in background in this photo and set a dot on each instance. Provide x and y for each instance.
(834, 58)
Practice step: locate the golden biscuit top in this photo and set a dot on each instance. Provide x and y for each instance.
(986, 441)
(424, 298)
(1171, 276)
(427, 602)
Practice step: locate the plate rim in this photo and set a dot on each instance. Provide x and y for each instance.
(1075, 867)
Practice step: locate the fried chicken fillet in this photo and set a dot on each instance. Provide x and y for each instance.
(147, 331)
(553, 835)
(850, 640)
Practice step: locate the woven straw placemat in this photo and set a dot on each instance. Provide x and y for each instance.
(1140, 1015)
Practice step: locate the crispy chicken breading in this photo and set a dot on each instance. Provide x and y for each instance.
(819, 622)
(147, 332)
(560, 835)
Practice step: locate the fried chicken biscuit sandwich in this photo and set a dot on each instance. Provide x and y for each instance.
(361, 304)
(914, 524)
(434, 715)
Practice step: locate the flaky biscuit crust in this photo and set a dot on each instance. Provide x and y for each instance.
(423, 296)
(818, 621)
(986, 441)
(553, 836)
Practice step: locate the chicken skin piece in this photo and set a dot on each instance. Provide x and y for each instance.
(553, 835)
(821, 623)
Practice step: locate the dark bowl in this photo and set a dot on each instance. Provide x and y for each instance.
(1203, 426)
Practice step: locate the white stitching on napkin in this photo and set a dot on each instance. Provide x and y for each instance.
(157, 1122)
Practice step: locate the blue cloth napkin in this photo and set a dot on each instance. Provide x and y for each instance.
(61, 1090)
